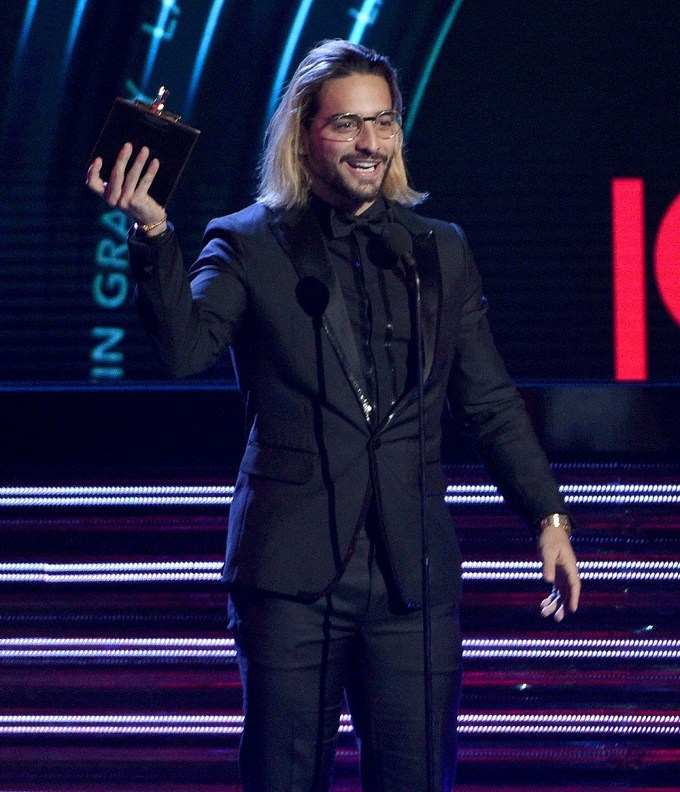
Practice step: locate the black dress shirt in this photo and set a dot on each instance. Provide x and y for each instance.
(376, 296)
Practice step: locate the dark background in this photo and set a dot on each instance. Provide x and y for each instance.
(531, 108)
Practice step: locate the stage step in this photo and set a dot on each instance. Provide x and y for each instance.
(117, 670)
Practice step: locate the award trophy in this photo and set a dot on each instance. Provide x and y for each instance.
(153, 126)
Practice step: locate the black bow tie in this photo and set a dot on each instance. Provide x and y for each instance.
(371, 222)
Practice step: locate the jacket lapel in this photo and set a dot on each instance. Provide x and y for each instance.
(299, 234)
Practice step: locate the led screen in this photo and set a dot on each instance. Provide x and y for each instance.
(548, 131)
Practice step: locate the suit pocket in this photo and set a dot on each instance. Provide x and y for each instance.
(290, 465)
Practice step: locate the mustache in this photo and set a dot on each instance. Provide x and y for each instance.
(377, 158)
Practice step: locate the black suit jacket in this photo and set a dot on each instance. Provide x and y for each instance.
(315, 456)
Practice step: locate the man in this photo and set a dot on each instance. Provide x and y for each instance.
(324, 545)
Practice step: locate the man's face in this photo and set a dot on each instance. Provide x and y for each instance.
(349, 175)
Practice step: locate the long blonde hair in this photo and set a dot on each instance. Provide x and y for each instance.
(284, 180)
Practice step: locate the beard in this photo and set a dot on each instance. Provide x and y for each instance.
(348, 190)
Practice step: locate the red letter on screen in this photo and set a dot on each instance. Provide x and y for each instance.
(630, 320)
(667, 260)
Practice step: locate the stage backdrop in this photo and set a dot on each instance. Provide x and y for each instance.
(548, 130)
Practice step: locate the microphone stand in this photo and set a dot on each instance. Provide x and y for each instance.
(410, 266)
(399, 243)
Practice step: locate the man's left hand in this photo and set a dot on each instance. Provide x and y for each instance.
(559, 569)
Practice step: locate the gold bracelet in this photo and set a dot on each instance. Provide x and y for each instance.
(146, 228)
(557, 521)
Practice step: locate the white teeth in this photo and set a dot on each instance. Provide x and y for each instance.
(365, 165)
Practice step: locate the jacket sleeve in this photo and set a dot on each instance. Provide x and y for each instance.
(189, 317)
(480, 386)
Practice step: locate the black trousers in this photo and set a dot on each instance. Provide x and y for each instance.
(298, 661)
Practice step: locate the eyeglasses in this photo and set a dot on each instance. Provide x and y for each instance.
(347, 126)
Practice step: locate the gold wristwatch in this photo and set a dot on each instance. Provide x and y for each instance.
(556, 521)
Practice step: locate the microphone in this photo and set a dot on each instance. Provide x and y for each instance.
(399, 244)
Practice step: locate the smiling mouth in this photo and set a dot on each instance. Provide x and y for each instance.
(365, 166)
